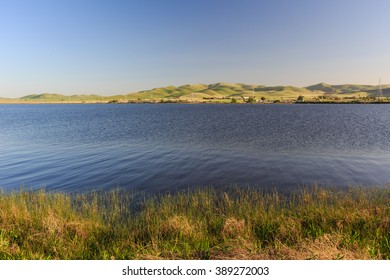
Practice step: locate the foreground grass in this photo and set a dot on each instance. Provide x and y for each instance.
(235, 223)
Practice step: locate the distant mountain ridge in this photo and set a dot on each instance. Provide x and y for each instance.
(345, 88)
(220, 90)
(223, 89)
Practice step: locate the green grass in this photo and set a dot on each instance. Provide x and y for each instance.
(207, 223)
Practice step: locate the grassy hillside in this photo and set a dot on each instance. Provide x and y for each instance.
(219, 92)
(322, 87)
(223, 91)
(346, 88)
(375, 93)
(54, 97)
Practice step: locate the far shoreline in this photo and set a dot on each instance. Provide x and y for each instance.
(20, 102)
(223, 92)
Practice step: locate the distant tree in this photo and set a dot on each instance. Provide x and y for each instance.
(233, 100)
(262, 98)
(251, 100)
(300, 98)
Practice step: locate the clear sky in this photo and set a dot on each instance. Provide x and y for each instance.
(112, 47)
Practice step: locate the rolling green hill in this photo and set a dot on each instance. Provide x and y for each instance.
(217, 92)
(238, 90)
(375, 93)
(222, 91)
(345, 89)
(54, 97)
(322, 87)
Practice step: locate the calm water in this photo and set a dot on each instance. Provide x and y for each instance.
(170, 146)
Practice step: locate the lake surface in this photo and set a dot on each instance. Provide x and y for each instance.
(157, 147)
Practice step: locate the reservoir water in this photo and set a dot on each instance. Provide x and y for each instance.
(157, 147)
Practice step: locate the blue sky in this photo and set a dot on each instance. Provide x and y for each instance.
(120, 46)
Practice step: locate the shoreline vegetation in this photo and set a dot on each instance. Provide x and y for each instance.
(205, 223)
(226, 93)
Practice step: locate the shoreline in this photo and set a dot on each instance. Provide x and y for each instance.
(222, 92)
(182, 102)
(206, 223)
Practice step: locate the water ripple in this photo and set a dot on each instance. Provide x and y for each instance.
(77, 147)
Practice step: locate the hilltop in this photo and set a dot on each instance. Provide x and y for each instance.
(345, 89)
(221, 92)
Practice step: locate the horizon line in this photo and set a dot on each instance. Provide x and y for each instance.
(384, 86)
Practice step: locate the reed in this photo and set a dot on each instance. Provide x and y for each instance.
(206, 223)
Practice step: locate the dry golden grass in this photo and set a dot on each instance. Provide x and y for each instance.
(177, 225)
(233, 229)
